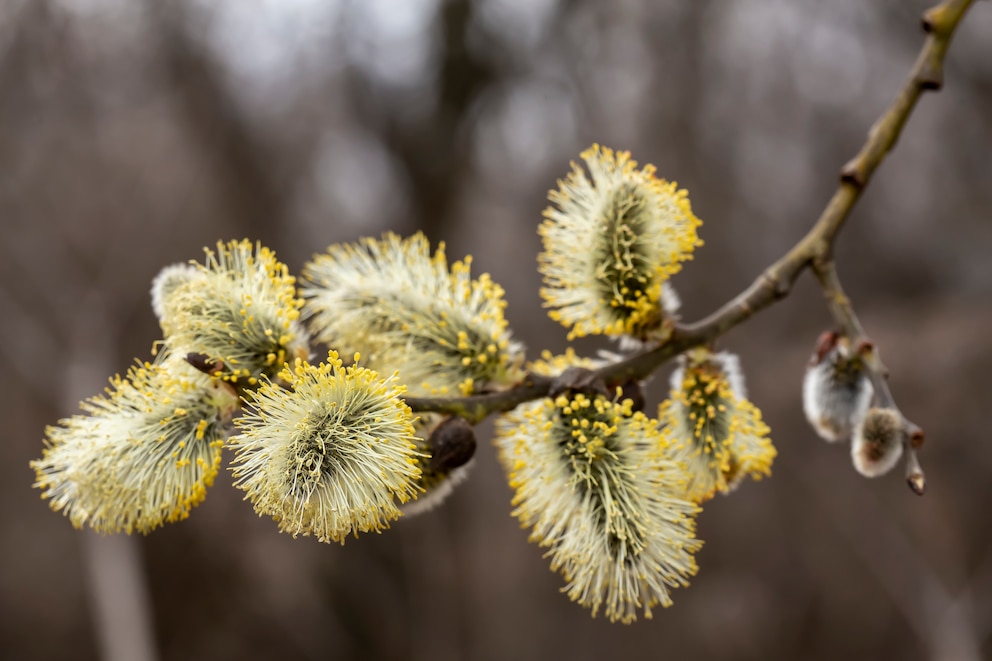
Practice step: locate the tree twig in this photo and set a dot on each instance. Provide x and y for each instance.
(775, 283)
(848, 322)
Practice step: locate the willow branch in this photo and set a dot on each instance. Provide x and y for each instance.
(775, 283)
(475, 408)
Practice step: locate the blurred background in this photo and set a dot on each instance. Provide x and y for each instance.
(135, 132)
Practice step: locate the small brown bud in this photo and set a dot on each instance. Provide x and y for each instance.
(205, 363)
(915, 477)
(916, 437)
(634, 391)
(826, 343)
(452, 444)
(447, 449)
(918, 483)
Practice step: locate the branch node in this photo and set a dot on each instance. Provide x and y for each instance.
(931, 78)
(782, 287)
(916, 437)
(853, 174)
(938, 21)
(778, 285)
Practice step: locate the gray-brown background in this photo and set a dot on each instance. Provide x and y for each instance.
(134, 133)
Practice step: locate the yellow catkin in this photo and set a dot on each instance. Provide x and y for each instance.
(239, 309)
(441, 329)
(714, 430)
(591, 482)
(141, 455)
(611, 241)
(331, 456)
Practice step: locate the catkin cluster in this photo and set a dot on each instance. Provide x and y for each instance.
(328, 447)
(324, 448)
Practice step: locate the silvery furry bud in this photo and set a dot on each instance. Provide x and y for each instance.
(878, 442)
(836, 389)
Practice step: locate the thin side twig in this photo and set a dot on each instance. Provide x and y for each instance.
(847, 320)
